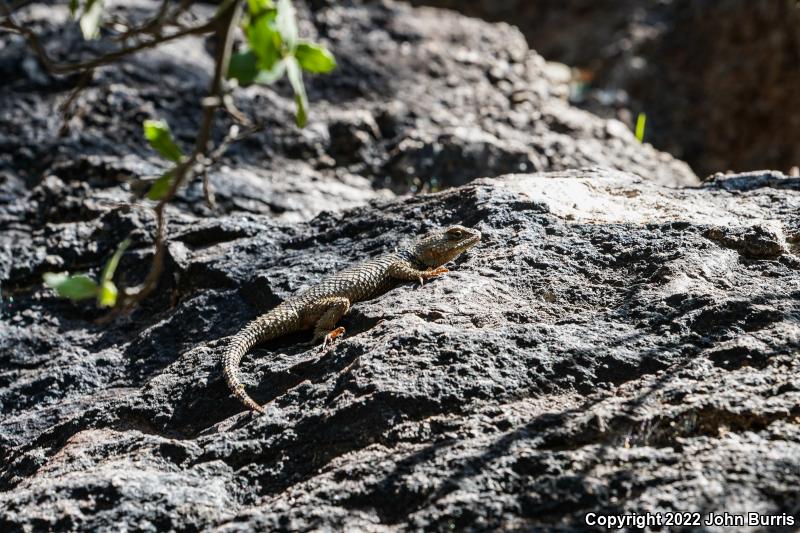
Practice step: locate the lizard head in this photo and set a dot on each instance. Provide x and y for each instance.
(440, 246)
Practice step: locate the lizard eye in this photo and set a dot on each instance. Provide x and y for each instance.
(455, 233)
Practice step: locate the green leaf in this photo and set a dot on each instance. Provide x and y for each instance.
(265, 77)
(264, 40)
(90, 19)
(160, 137)
(243, 67)
(73, 7)
(77, 287)
(300, 99)
(286, 23)
(256, 7)
(107, 296)
(161, 186)
(301, 116)
(111, 265)
(641, 121)
(314, 58)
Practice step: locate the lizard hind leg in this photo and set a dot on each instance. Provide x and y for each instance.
(329, 310)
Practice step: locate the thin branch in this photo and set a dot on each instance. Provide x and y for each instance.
(182, 7)
(208, 190)
(150, 26)
(157, 22)
(157, 265)
(213, 158)
(234, 136)
(217, 92)
(66, 106)
(227, 21)
(233, 111)
(223, 24)
(65, 68)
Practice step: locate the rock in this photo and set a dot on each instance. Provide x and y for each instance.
(421, 99)
(755, 242)
(714, 78)
(457, 157)
(617, 343)
(597, 352)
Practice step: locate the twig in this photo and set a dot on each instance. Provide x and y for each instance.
(157, 22)
(65, 107)
(223, 24)
(213, 158)
(217, 92)
(233, 111)
(151, 26)
(227, 21)
(182, 7)
(65, 68)
(208, 191)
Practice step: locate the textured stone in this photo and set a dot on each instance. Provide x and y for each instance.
(716, 78)
(599, 351)
(614, 344)
(422, 99)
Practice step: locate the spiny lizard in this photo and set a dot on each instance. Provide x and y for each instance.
(322, 305)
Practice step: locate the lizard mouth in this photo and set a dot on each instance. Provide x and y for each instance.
(469, 243)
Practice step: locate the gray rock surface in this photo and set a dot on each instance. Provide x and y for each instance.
(716, 78)
(612, 345)
(422, 99)
(616, 343)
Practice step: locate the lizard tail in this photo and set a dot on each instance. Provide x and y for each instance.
(259, 330)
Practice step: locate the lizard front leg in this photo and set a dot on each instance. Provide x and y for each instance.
(405, 271)
(329, 310)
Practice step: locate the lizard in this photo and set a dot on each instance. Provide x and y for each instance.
(322, 305)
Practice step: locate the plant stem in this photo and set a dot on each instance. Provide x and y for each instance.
(227, 20)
